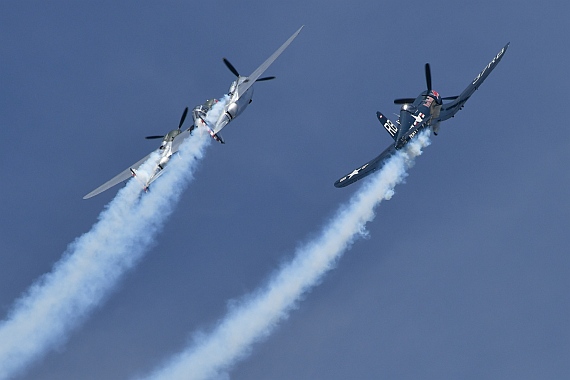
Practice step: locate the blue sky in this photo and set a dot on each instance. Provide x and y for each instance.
(465, 272)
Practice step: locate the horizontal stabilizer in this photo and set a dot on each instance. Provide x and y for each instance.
(388, 125)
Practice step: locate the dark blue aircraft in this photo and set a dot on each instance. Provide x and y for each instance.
(425, 111)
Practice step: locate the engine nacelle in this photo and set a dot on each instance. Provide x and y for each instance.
(232, 110)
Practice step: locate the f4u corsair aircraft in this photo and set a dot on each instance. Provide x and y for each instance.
(425, 111)
(241, 91)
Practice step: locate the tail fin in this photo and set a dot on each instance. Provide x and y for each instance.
(219, 138)
(388, 125)
(216, 136)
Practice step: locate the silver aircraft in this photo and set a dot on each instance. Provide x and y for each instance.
(241, 91)
(170, 145)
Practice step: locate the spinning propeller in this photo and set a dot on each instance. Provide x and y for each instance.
(179, 125)
(236, 73)
(428, 83)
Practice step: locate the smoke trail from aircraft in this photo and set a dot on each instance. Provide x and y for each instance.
(258, 314)
(94, 263)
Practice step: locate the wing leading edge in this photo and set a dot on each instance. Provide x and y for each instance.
(450, 109)
(127, 173)
(265, 65)
(366, 169)
(122, 176)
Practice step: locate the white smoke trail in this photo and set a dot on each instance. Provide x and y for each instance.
(255, 317)
(93, 264)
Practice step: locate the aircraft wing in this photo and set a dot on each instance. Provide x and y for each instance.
(366, 169)
(450, 109)
(178, 140)
(261, 69)
(122, 176)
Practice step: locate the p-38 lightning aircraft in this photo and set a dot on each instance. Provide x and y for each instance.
(170, 145)
(416, 115)
(241, 91)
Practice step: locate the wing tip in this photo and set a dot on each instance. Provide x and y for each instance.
(340, 183)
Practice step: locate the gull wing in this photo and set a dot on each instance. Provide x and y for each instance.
(450, 109)
(261, 69)
(366, 169)
(122, 176)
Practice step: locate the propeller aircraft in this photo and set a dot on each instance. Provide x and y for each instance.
(170, 145)
(416, 115)
(240, 94)
(241, 91)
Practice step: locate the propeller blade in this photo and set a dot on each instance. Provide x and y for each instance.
(231, 67)
(404, 100)
(428, 77)
(183, 117)
(153, 137)
(264, 79)
(450, 98)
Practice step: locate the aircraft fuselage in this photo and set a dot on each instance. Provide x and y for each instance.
(237, 103)
(417, 116)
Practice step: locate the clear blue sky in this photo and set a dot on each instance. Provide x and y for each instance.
(466, 271)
